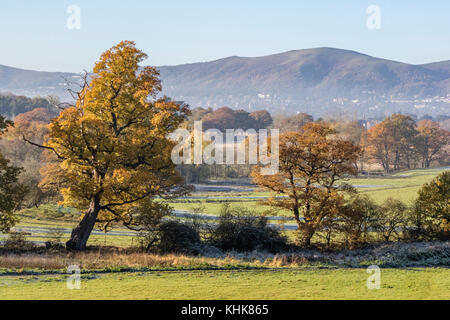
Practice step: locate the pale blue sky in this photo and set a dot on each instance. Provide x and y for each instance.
(34, 33)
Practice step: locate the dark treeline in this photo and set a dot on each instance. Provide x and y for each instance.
(227, 118)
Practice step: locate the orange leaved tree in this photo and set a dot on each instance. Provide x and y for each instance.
(432, 142)
(312, 163)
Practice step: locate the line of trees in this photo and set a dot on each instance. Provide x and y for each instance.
(227, 118)
(398, 142)
(314, 164)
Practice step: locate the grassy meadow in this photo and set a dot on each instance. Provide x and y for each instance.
(243, 284)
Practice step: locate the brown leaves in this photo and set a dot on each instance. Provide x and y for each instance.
(312, 161)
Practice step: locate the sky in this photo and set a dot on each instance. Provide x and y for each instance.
(35, 34)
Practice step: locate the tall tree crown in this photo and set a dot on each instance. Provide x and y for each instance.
(112, 144)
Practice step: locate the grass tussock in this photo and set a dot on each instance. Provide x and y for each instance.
(110, 260)
(392, 255)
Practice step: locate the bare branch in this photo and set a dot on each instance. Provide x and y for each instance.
(43, 147)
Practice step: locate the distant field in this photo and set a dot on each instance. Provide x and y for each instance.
(432, 283)
(41, 224)
(402, 186)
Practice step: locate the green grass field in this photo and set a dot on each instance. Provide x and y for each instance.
(432, 283)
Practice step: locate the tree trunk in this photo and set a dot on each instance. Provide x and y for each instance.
(307, 234)
(81, 233)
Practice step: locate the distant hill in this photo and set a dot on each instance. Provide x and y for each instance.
(35, 83)
(321, 81)
(438, 66)
(318, 81)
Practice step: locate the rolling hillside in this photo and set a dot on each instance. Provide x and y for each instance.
(320, 81)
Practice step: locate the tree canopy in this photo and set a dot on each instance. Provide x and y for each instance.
(432, 208)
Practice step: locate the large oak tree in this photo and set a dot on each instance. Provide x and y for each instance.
(113, 156)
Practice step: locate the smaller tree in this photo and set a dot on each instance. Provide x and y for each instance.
(357, 219)
(431, 214)
(312, 162)
(379, 145)
(432, 142)
(391, 142)
(392, 217)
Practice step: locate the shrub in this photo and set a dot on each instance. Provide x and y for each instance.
(55, 239)
(241, 230)
(171, 237)
(357, 220)
(392, 217)
(17, 242)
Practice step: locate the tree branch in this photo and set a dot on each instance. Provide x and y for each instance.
(43, 147)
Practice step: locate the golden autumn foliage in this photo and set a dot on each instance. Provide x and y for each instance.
(112, 150)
